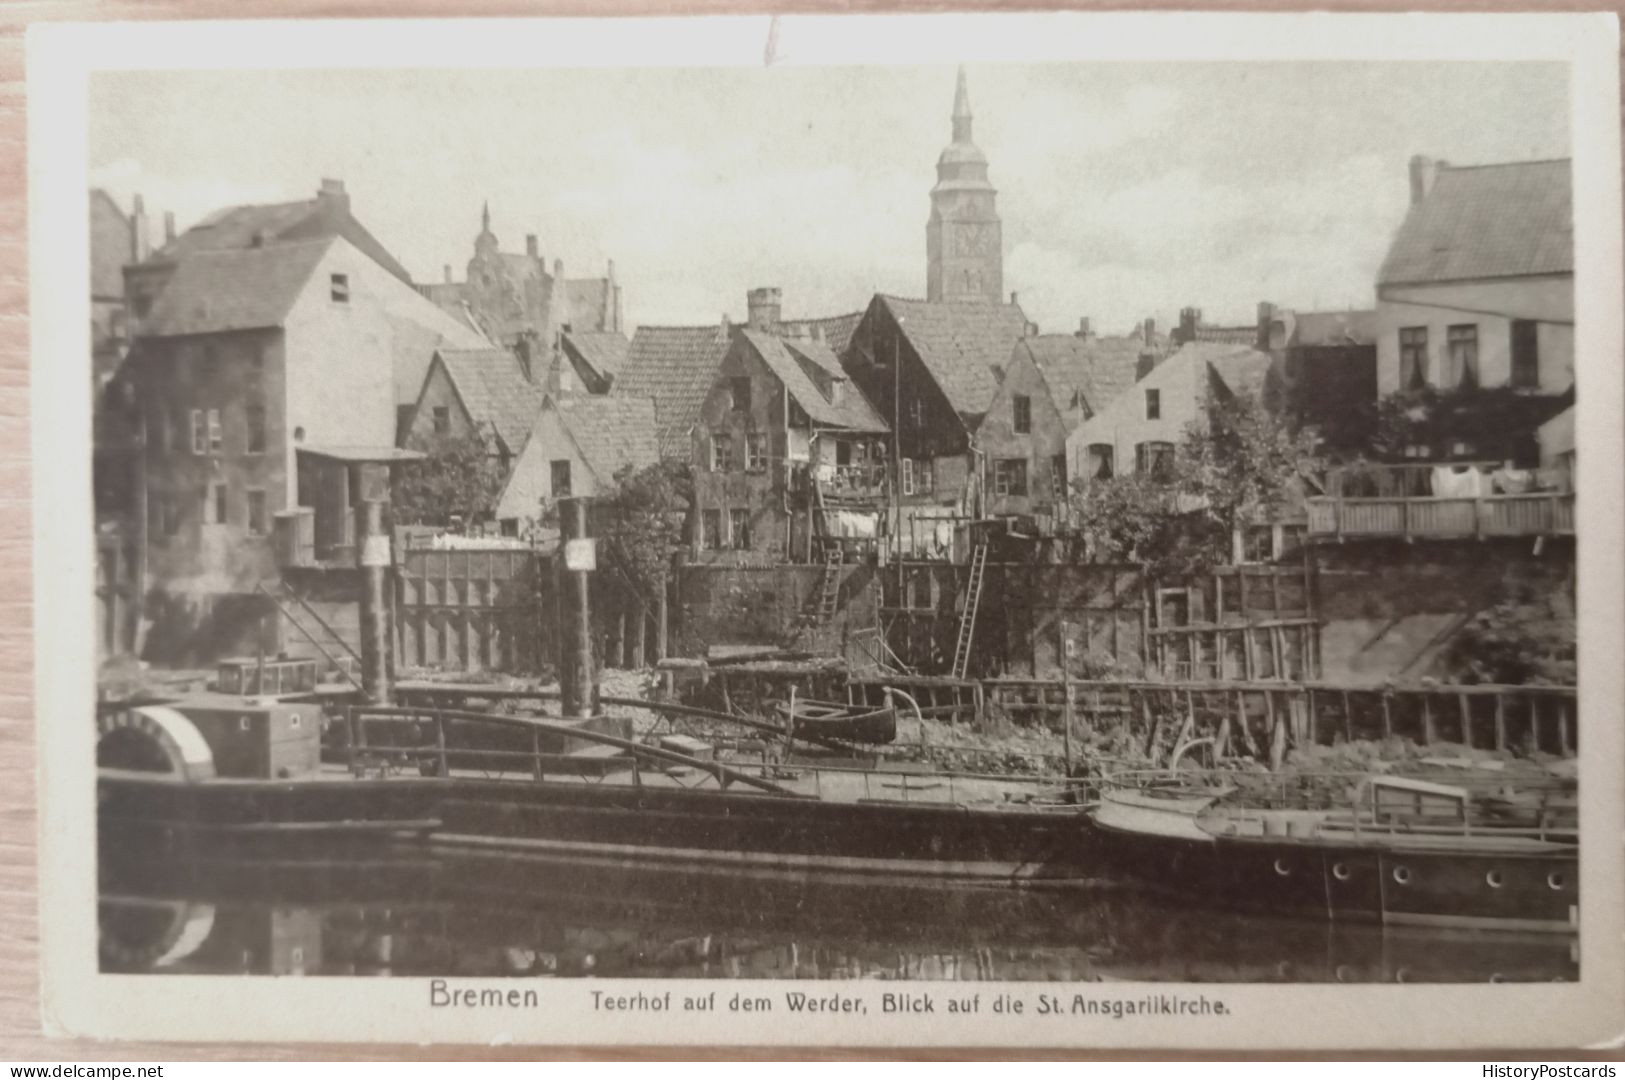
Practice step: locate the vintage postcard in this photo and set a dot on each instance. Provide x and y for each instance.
(1053, 530)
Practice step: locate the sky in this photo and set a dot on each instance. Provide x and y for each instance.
(1126, 190)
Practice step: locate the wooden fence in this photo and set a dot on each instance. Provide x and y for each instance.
(1540, 514)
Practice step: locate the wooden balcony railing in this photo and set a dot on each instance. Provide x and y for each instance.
(1540, 514)
(856, 482)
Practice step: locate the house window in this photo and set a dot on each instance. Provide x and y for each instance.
(711, 530)
(442, 419)
(216, 436)
(254, 415)
(340, 288)
(256, 512)
(1413, 357)
(925, 476)
(1100, 461)
(211, 362)
(908, 476)
(798, 415)
(1525, 353)
(1463, 344)
(922, 588)
(1010, 476)
(200, 432)
(739, 529)
(1257, 544)
(740, 392)
(1153, 404)
(755, 452)
(214, 504)
(722, 448)
(916, 412)
(1022, 406)
(561, 478)
(1156, 459)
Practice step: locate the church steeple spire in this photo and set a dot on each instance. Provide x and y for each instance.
(964, 241)
(962, 113)
(485, 217)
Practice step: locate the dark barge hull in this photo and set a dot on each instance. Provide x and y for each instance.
(1392, 885)
(724, 830)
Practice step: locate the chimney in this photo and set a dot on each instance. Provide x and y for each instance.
(1084, 330)
(526, 350)
(1013, 298)
(139, 246)
(558, 269)
(169, 225)
(765, 305)
(1266, 316)
(1424, 171)
(1189, 319)
(727, 325)
(447, 270)
(332, 193)
(532, 247)
(1148, 333)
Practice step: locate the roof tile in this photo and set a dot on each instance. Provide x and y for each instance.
(674, 365)
(496, 393)
(1487, 221)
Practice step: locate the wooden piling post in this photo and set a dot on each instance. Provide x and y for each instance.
(1466, 719)
(1348, 718)
(1427, 721)
(1387, 715)
(1500, 721)
(1564, 734)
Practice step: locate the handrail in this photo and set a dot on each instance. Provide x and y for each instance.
(723, 773)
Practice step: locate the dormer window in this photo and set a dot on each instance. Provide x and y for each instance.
(340, 288)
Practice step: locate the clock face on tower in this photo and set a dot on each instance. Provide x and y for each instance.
(976, 240)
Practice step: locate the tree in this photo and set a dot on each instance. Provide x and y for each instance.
(1493, 422)
(641, 518)
(458, 478)
(1242, 466)
(1235, 466)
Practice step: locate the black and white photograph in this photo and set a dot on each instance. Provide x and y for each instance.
(708, 538)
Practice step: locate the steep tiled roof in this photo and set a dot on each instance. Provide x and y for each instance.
(612, 431)
(245, 227)
(494, 390)
(603, 350)
(213, 291)
(964, 346)
(836, 330)
(850, 410)
(1094, 370)
(1244, 372)
(1487, 221)
(675, 365)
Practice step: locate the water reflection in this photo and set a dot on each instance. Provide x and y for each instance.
(471, 915)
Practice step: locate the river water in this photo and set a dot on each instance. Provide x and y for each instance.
(443, 914)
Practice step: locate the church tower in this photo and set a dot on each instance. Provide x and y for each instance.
(964, 242)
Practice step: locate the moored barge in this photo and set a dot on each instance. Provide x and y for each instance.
(1390, 849)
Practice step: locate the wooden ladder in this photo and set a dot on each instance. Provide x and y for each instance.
(832, 583)
(967, 614)
(282, 592)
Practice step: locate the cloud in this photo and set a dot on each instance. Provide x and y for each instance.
(1312, 239)
(190, 198)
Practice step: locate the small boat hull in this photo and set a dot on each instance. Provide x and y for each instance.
(827, 720)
